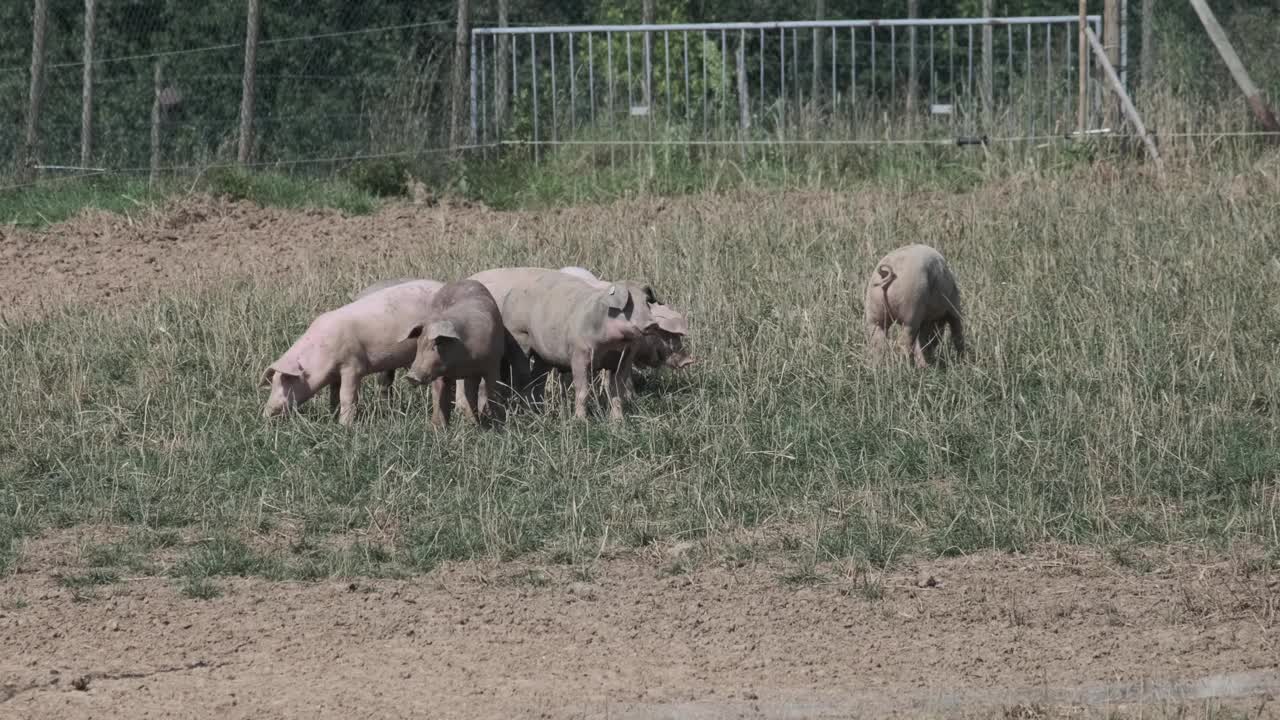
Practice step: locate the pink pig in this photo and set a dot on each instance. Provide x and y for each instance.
(367, 336)
(662, 346)
(568, 323)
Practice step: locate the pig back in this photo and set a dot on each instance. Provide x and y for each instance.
(380, 322)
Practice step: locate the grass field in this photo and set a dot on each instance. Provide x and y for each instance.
(1122, 392)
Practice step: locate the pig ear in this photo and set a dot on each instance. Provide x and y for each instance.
(285, 366)
(670, 321)
(414, 332)
(616, 297)
(443, 329)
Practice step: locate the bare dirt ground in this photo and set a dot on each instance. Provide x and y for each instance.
(1025, 636)
(1060, 632)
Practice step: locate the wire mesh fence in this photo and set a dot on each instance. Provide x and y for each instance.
(165, 84)
(129, 85)
(886, 79)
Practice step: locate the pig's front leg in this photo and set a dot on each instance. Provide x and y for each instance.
(471, 392)
(626, 374)
(619, 384)
(495, 409)
(581, 364)
(442, 397)
(348, 395)
(385, 380)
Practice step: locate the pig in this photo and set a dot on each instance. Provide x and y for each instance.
(662, 347)
(385, 379)
(340, 347)
(913, 286)
(563, 321)
(462, 338)
(515, 365)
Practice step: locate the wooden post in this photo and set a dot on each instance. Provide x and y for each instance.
(459, 89)
(246, 89)
(1111, 43)
(503, 89)
(1125, 103)
(157, 116)
(913, 86)
(26, 158)
(988, 72)
(1251, 95)
(86, 86)
(1082, 69)
(1146, 58)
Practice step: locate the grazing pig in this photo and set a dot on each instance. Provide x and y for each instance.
(341, 346)
(462, 338)
(913, 286)
(566, 322)
(385, 379)
(663, 346)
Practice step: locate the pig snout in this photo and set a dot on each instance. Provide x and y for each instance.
(426, 368)
(277, 404)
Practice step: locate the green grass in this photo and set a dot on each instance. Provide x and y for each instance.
(1123, 392)
(54, 199)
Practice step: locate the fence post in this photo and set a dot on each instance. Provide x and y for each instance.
(1125, 104)
(1146, 58)
(246, 90)
(86, 97)
(1229, 56)
(744, 98)
(1082, 70)
(503, 89)
(1111, 43)
(458, 103)
(988, 70)
(157, 113)
(647, 19)
(26, 159)
(913, 87)
(819, 10)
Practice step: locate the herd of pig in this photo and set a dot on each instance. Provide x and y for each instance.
(509, 328)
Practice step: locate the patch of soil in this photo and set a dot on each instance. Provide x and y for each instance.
(101, 258)
(1031, 636)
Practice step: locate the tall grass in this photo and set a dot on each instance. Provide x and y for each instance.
(1123, 389)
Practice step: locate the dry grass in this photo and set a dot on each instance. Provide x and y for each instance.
(1123, 391)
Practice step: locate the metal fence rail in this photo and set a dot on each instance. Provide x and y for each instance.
(890, 78)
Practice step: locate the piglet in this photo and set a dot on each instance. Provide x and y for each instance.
(462, 338)
(566, 322)
(340, 347)
(912, 286)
